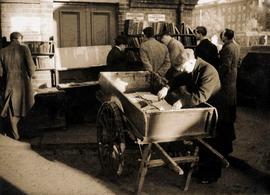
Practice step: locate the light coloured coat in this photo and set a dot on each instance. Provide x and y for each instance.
(175, 48)
(16, 69)
(155, 56)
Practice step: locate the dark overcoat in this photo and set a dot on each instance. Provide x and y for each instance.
(116, 60)
(16, 70)
(208, 52)
(229, 59)
(194, 88)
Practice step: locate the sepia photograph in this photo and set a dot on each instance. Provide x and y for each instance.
(125, 97)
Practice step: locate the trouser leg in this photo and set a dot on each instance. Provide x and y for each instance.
(209, 165)
(2, 126)
(14, 126)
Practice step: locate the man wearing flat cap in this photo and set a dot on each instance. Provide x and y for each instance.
(191, 82)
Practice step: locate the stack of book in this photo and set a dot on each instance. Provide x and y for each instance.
(44, 62)
(40, 47)
(132, 27)
(160, 27)
(185, 29)
(188, 38)
(135, 41)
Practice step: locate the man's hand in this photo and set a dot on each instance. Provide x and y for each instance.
(162, 93)
(177, 105)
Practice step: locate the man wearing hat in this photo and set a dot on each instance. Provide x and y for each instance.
(191, 82)
(174, 46)
(117, 59)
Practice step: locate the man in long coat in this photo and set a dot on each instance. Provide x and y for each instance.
(210, 168)
(16, 69)
(229, 60)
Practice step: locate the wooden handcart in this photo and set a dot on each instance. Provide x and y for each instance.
(118, 116)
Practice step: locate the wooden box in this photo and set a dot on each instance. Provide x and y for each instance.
(166, 125)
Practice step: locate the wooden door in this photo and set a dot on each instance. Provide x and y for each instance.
(72, 27)
(100, 28)
(85, 24)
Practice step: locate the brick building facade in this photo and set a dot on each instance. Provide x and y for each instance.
(248, 18)
(35, 18)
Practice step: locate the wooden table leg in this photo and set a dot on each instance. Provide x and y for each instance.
(171, 163)
(143, 168)
(192, 166)
(224, 161)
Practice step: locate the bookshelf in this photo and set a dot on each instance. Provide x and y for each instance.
(134, 30)
(43, 57)
(42, 53)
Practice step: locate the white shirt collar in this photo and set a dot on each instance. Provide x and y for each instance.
(118, 47)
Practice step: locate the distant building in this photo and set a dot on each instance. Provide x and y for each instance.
(248, 18)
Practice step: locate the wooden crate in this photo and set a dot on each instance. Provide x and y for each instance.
(166, 125)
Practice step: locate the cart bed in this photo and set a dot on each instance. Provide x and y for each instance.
(157, 125)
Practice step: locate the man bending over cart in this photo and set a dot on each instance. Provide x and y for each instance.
(190, 83)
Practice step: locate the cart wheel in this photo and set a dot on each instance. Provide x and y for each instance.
(110, 138)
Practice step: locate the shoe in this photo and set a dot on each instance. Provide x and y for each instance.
(208, 180)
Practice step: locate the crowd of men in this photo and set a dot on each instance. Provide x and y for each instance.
(194, 77)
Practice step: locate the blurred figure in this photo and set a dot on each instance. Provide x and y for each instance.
(16, 69)
(117, 59)
(205, 49)
(154, 55)
(3, 42)
(216, 42)
(175, 47)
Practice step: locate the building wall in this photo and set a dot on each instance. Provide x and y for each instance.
(32, 18)
(173, 13)
(243, 16)
(237, 15)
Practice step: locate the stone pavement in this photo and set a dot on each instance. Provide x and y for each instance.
(55, 163)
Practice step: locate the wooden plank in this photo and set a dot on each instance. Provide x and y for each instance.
(182, 159)
(81, 57)
(171, 163)
(143, 168)
(76, 85)
(184, 122)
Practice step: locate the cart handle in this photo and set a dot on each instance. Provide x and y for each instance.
(224, 161)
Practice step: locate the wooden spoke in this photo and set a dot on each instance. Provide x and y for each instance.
(110, 139)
